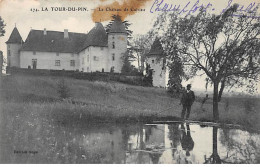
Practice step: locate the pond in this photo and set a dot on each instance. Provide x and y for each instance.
(143, 144)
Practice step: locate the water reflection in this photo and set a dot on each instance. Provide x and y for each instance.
(187, 143)
(140, 143)
(214, 158)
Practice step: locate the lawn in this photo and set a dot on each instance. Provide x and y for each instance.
(111, 101)
(31, 112)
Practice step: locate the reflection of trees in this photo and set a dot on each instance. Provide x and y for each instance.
(148, 132)
(141, 143)
(174, 136)
(214, 158)
(237, 152)
(125, 138)
(145, 147)
(155, 157)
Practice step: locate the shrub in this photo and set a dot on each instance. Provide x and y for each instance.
(63, 89)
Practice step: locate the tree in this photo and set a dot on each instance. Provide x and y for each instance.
(2, 32)
(176, 74)
(2, 25)
(141, 45)
(224, 47)
(126, 23)
(127, 67)
(148, 78)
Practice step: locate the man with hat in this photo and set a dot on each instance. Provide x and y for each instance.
(187, 100)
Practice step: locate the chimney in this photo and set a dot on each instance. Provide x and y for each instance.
(66, 33)
(44, 31)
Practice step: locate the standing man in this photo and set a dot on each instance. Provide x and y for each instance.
(187, 100)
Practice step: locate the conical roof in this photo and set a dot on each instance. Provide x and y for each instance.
(97, 36)
(117, 26)
(15, 37)
(156, 48)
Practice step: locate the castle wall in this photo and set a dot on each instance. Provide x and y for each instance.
(98, 59)
(47, 60)
(119, 40)
(160, 76)
(13, 57)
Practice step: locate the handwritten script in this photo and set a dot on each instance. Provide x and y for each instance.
(195, 6)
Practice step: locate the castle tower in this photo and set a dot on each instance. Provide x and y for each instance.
(14, 45)
(117, 45)
(157, 61)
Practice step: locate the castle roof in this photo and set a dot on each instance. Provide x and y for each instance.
(117, 27)
(15, 37)
(97, 36)
(54, 41)
(156, 48)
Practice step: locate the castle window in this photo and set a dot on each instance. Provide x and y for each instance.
(113, 37)
(113, 45)
(88, 58)
(72, 63)
(83, 60)
(152, 61)
(8, 46)
(57, 54)
(113, 57)
(57, 62)
(95, 58)
(34, 53)
(8, 53)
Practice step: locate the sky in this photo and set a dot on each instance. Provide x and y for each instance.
(19, 13)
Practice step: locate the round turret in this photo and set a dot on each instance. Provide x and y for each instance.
(14, 45)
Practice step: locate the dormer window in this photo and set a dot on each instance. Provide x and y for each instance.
(113, 45)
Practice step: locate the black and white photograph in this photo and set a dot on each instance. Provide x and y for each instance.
(129, 81)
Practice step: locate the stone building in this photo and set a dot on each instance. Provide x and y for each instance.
(53, 50)
(157, 61)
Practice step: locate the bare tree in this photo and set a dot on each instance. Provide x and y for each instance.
(224, 47)
(141, 45)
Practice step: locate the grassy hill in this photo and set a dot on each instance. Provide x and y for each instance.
(33, 117)
(37, 97)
